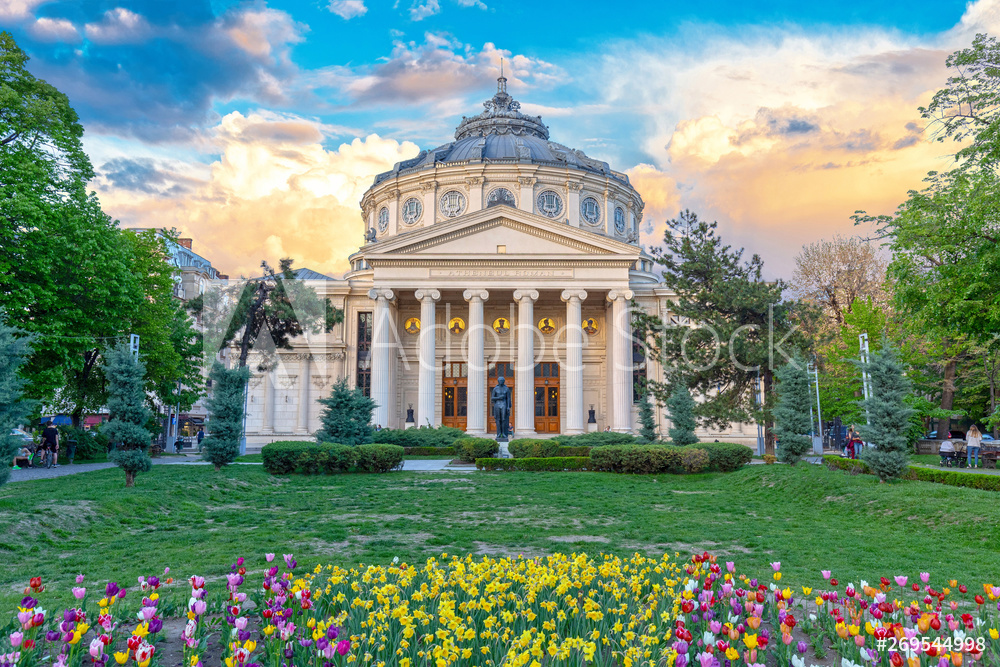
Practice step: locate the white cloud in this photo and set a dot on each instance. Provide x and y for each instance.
(54, 30)
(17, 9)
(419, 11)
(119, 26)
(347, 9)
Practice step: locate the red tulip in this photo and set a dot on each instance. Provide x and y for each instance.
(833, 582)
(980, 600)
(935, 623)
(963, 589)
(896, 660)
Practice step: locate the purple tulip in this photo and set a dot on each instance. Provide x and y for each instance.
(155, 625)
(322, 643)
(111, 589)
(69, 615)
(332, 632)
(243, 635)
(153, 581)
(681, 647)
(52, 635)
(289, 653)
(802, 647)
(305, 642)
(29, 602)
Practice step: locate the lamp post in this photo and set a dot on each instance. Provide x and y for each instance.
(813, 370)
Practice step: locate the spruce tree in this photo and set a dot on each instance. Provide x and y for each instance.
(680, 409)
(888, 415)
(126, 428)
(347, 416)
(647, 418)
(225, 414)
(792, 417)
(14, 350)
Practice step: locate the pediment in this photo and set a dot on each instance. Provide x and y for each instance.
(520, 233)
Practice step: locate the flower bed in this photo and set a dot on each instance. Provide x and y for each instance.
(561, 609)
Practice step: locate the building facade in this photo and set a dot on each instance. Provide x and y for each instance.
(502, 253)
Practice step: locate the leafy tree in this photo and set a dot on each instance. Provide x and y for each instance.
(680, 409)
(225, 414)
(792, 414)
(647, 418)
(888, 415)
(836, 274)
(14, 408)
(731, 325)
(128, 413)
(346, 417)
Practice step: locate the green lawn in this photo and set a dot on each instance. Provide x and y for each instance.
(198, 521)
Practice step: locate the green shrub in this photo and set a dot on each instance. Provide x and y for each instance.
(443, 436)
(694, 460)
(573, 451)
(308, 458)
(429, 451)
(89, 444)
(725, 456)
(637, 459)
(524, 448)
(596, 439)
(951, 478)
(470, 449)
(379, 457)
(550, 464)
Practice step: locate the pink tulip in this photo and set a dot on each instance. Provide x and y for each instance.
(925, 577)
(268, 557)
(900, 580)
(343, 646)
(241, 623)
(776, 566)
(825, 573)
(16, 638)
(730, 566)
(148, 613)
(706, 659)
(954, 605)
(995, 590)
(96, 648)
(166, 570)
(199, 607)
(79, 578)
(78, 593)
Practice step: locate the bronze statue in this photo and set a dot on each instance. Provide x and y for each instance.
(500, 399)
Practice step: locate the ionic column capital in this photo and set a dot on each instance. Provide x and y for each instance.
(526, 295)
(570, 294)
(429, 294)
(616, 294)
(377, 293)
(480, 294)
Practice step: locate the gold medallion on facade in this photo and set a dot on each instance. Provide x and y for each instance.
(501, 325)
(456, 325)
(412, 325)
(546, 325)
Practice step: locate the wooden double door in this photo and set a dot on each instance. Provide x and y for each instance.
(455, 395)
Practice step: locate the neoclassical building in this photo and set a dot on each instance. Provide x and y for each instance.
(501, 253)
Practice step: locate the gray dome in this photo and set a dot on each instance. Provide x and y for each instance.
(502, 134)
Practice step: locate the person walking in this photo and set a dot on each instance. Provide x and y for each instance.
(973, 442)
(50, 441)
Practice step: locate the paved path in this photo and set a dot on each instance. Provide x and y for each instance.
(26, 474)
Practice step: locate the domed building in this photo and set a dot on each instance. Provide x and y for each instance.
(500, 254)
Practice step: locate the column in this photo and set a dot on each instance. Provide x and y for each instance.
(426, 390)
(609, 213)
(430, 207)
(573, 203)
(302, 426)
(524, 374)
(527, 198)
(339, 361)
(382, 354)
(269, 398)
(393, 205)
(621, 361)
(476, 422)
(475, 202)
(574, 361)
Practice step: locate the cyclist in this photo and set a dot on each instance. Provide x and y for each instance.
(50, 445)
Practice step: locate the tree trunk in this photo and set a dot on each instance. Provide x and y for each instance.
(77, 416)
(947, 398)
(992, 375)
(218, 467)
(768, 382)
(129, 479)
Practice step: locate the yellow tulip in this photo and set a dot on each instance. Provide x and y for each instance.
(732, 653)
(750, 640)
(807, 591)
(121, 657)
(994, 634)
(195, 660)
(250, 645)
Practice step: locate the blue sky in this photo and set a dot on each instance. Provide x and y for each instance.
(271, 117)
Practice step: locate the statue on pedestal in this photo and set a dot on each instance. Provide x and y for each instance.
(500, 400)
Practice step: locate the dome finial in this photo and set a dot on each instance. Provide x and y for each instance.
(501, 81)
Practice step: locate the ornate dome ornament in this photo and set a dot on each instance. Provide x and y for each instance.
(549, 204)
(383, 220)
(501, 196)
(590, 210)
(452, 203)
(412, 208)
(619, 220)
(502, 116)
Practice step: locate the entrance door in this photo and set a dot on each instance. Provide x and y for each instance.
(500, 369)
(455, 394)
(547, 397)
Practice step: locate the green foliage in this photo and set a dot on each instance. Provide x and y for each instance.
(573, 451)
(308, 458)
(379, 457)
(680, 409)
(725, 456)
(595, 439)
(524, 448)
(792, 416)
(694, 460)
(951, 478)
(638, 459)
(470, 449)
(14, 408)
(430, 451)
(888, 415)
(89, 444)
(225, 415)
(647, 418)
(346, 416)
(550, 464)
(442, 436)
(128, 412)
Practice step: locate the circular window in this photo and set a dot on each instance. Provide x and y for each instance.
(452, 203)
(383, 220)
(501, 325)
(590, 210)
(456, 325)
(412, 325)
(412, 210)
(620, 220)
(549, 204)
(501, 197)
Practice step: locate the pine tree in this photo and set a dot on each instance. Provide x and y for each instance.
(680, 409)
(129, 415)
(647, 418)
(792, 416)
(346, 417)
(225, 414)
(14, 350)
(888, 415)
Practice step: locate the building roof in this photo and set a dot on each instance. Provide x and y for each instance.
(309, 274)
(502, 134)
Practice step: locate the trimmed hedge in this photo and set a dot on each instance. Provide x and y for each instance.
(638, 459)
(534, 448)
(694, 459)
(574, 451)
(430, 451)
(725, 456)
(534, 464)
(916, 473)
(597, 439)
(443, 436)
(311, 458)
(470, 449)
